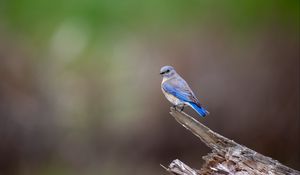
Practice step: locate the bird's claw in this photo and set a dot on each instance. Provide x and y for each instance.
(177, 108)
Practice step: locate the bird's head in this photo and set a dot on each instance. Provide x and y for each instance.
(167, 71)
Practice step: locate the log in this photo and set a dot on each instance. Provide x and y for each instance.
(227, 157)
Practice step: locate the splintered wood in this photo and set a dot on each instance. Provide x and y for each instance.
(227, 157)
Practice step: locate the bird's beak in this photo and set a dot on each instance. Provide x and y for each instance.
(161, 73)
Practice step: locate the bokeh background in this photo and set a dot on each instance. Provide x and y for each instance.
(80, 84)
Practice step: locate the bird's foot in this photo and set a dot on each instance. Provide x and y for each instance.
(182, 108)
(179, 108)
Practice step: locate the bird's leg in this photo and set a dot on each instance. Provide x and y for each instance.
(175, 107)
(182, 108)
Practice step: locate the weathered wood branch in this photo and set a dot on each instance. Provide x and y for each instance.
(227, 157)
(178, 167)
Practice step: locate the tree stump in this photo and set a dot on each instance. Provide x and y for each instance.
(227, 157)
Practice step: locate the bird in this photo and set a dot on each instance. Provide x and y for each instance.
(178, 92)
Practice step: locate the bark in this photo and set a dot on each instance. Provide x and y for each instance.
(227, 157)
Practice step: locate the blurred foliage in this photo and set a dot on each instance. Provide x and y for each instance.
(39, 18)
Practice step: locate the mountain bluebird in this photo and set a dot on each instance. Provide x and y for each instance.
(178, 92)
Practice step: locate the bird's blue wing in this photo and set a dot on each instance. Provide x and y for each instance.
(176, 92)
(180, 89)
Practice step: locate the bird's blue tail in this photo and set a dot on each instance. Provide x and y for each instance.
(200, 110)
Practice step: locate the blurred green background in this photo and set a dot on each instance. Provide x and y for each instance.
(80, 84)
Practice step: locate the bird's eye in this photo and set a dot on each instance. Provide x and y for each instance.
(168, 71)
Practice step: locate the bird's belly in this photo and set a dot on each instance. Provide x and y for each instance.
(173, 99)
